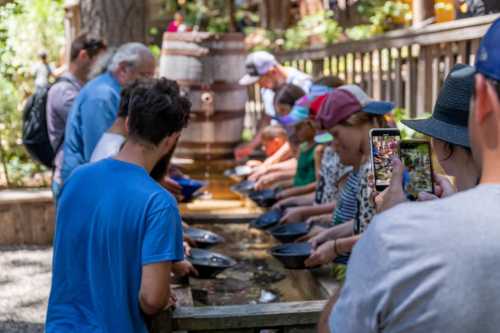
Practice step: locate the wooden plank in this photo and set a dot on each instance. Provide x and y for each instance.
(358, 69)
(474, 46)
(424, 83)
(449, 59)
(332, 66)
(370, 73)
(462, 52)
(436, 80)
(303, 329)
(337, 65)
(398, 79)
(412, 85)
(200, 218)
(351, 64)
(317, 67)
(388, 78)
(364, 70)
(379, 73)
(247, 316)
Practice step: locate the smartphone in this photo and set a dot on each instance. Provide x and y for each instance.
(384, 143)
(416, 157)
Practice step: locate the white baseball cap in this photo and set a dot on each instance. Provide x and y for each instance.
(257, 64)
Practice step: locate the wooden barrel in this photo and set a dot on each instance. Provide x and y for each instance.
(207, 67)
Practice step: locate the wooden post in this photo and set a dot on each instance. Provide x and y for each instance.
(424, 81)
(422, 10)
(317, 68)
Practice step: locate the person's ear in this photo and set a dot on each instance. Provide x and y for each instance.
(483, 101)
(83, 55)
(126, 125)
(169, 142)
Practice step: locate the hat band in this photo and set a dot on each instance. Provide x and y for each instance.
(451, 116)
(251, 70)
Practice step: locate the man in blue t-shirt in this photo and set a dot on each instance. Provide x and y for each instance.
(95, 108)
(117, 230)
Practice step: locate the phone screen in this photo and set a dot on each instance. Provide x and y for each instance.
(416, 157)
(384, 144)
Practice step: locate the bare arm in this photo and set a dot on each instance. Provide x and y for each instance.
(262, 171)
(299, 200)
(300, 214)
(282, 154)
(296, 191)
(274, 177)
(154, 294)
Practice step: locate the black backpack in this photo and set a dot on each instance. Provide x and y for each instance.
(35, 132)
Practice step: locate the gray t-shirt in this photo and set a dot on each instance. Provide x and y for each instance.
(426, 267)
(59, 101)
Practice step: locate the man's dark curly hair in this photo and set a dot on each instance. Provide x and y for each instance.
(156, 110)
(125, 96)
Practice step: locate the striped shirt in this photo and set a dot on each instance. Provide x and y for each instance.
(347, 207)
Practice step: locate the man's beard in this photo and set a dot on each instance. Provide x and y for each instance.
(161, 167)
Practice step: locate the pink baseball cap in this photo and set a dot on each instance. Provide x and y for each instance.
(345, 101)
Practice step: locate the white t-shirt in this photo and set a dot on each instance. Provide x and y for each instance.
(109, 145)
(42, 72)
(426, 267)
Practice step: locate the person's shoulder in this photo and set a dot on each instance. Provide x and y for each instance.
(427, 215)
(83, 173)
(64, 89)
(160, 199)
(100, 87)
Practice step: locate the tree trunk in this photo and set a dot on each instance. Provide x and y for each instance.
(117, 21)
(422, 10)
(275, 14)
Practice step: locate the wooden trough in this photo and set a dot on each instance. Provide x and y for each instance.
(301, 316)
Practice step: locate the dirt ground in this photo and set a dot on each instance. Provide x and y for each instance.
(25, 274)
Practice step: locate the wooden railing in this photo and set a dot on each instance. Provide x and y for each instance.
(405, 66)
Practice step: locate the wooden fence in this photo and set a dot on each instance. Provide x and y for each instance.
(405, 66)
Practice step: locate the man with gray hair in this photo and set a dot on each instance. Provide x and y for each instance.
(95, 108)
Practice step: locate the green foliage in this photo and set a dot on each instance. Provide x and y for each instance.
(361, 31)
(406, 132)
(384, 15)
(26, 28)
(320, 25)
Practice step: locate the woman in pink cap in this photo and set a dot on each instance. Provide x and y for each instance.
(349, 114)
